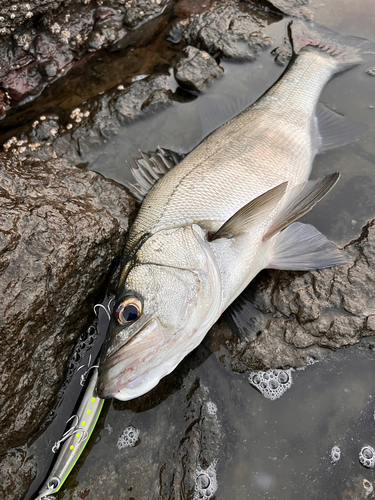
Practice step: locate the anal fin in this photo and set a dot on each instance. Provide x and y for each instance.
(336, 130)
(301, 247)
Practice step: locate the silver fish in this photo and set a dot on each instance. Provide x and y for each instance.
(211, 223)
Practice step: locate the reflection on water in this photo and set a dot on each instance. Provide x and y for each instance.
(274, 449)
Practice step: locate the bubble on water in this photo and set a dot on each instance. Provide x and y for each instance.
(370, 71)
(272, 383)
(211, 408)
(128, 438)
(335, 454)
(205, 482)
(309, 361)
(367, 457)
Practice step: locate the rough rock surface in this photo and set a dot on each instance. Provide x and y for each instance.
(307, 313)
(17, 471)
(196, 70)
(94, 122)
(40, 40)
(231, 29)
(61, 228)
(297, 8)
(172, 450)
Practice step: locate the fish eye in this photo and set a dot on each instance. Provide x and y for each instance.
(128, 310)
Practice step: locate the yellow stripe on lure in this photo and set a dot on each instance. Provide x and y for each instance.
(75, 438)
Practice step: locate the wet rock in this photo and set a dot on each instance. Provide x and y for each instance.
(283, 53)
(125, 101)
(43, 40)
(61, 228)
(138, 11)
(91, 125)
(232, 29)
(330, 308)
(197, 70)
(173, 451)
(188, 8)
(296, 8)
(17, 472)
(199, 448)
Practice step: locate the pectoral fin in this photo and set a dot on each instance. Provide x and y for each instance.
(302, 198)
(251, 214)
(301, 247)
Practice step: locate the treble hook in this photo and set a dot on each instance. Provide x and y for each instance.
(85, 375)
(73, 429)
(103, 307)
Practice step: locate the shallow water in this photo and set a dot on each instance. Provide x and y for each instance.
(277, 450)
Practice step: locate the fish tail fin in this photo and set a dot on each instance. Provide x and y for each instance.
(346, 51)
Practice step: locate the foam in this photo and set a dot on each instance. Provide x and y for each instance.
(335, 454)
(205, 482)
(367, 457)
(211, 408)
(128, 438)
(272, 383)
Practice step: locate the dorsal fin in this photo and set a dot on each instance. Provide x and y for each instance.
(251, 214)
(150, 168)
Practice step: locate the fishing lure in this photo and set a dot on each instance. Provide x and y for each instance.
(74, 440)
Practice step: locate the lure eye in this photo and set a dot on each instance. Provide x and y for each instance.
(128, 310)
(54, 483)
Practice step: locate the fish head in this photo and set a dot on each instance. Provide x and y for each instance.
(166, 302)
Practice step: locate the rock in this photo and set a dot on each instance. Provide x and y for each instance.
(138, 11)
(17, 472)
(61, 228)
(91, 125)
(173, 451)
(198, 450)
(43, 40)
(99, 118)
(231, 29)
(283, 53)
(330, 308)
(197, 70)
(296, 8)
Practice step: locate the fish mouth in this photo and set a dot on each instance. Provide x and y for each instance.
(124, 375)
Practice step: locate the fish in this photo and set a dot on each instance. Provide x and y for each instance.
(211, 221)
